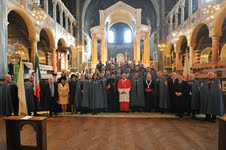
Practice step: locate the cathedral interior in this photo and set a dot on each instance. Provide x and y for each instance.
(72, 36)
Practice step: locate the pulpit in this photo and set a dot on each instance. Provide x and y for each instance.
(222, 133)
(14, 126)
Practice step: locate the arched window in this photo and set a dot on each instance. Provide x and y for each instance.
(127, 36)
(195, 6)
(111, 36)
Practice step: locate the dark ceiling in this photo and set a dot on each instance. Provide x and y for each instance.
(92, 13)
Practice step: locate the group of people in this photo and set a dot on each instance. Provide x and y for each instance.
(121, 88)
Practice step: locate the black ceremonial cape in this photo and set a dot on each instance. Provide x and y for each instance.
(72, 91)
(149, 94)
(112, 95)
(182, 101)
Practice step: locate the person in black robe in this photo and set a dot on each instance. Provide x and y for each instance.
(149, 91)
(44, 101)
(72, 92)
(112, 94)
(182, 96)
(8, 104)
(52, 95)
(172, 92)
(194, 100)
(137, 101)
(213, 96)
(30, 98)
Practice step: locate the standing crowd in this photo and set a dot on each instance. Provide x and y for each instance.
(120, 88)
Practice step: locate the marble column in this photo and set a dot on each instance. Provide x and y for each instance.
(215, 49)
(34, 50)
(189, 8)
(3, 39)
(147, 49)
(66, 24)
(177, 59)
(103, 49)
(137, 48)
(176, 20)
(71, 27)
(171, 23)
(182, 13)
(46, 6)
(54, 10)
(54, 60)
(94, 50)
(191, 53)
(61, 17)
(9, 55)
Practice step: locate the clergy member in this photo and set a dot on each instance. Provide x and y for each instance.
(112, 94)
(124, 86)
(149, 90)
(137, 102)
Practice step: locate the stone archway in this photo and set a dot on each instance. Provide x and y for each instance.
(181, 50)
(27, 19)
(219, 21)
(62, 52)
(121, 12)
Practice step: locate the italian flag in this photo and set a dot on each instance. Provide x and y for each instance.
(37, 78)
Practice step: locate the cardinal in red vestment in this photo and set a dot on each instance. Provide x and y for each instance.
(124, 86)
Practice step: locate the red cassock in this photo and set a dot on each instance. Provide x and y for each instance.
(124, 87)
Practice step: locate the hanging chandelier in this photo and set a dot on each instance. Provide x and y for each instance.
(38, 13)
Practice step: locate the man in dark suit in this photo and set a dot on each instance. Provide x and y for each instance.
(52, 95)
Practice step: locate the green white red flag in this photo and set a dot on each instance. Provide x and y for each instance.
(37, 78)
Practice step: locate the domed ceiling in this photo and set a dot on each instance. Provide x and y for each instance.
(92, 13)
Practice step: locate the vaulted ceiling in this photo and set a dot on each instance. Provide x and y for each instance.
(92, 13)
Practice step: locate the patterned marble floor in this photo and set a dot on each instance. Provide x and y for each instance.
(125, 133)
